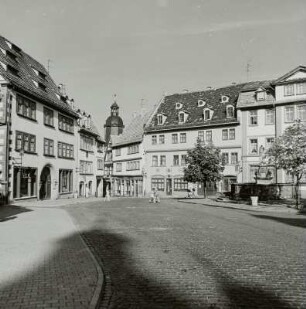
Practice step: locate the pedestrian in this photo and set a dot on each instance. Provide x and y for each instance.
(156, 199)
(107, 195)
(188, 193)
(152, 196)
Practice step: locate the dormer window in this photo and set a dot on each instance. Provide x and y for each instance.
(178, 105)
(207, 113)
(11, 55)
(11, 70)
(182, 117)
(39, 85)
(160, 119)
(201, 103)
(230, 111)
(260, 96)
(224, 99)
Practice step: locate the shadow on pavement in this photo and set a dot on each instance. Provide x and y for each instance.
(299, 222)
(126, 286)
(65, 278)
(10, 212)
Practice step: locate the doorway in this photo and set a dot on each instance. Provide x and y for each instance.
(45, 181)
(169, 186)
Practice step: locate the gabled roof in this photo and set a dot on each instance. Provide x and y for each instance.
(133, 133)
(212, 99)
(253, 86)
(287, 75)
(24, 65)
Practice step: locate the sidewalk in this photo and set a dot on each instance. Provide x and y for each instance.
(278, 208)
(44, 262)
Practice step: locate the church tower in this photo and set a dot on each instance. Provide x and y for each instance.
(114, 124)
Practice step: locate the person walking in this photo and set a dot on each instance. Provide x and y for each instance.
(156, 197)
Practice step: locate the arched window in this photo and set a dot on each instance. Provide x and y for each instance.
(230, 111)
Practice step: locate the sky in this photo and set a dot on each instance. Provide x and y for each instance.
(141, 50)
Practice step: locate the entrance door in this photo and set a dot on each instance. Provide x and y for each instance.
(169, 186)
(45, 181)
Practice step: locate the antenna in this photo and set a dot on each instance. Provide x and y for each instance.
(248, 69)
(142, 104)
(48, 66)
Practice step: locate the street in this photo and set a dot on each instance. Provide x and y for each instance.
(179, 255)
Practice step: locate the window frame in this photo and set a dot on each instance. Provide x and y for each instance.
(154, 139)
(174, 138)
(25, 107)
(176, 160)
(272, 116)
(183, 138)
(48, 144)
(161, 139)
(253, 115)
(48, 113)
(286, 88)
(26, 142)
(250, 146)
(286, 114)
(65, 151)
(65, 124)
(163, 161)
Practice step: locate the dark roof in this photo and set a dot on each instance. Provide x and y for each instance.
(22, 75)
(133, 133)
(252, 86)
(114, 121)
(189, 101)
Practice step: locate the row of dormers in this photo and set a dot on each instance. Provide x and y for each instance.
(201, 103)
(207, 115)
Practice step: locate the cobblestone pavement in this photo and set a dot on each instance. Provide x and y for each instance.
(179, 255)
(43, 261)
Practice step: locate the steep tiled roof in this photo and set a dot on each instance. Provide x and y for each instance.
(189, 105)
(133, 133)
(22, 75)
(266, 84)
(284, 77)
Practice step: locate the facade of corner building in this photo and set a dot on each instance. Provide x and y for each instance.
(90, 158)
(128, 176)
(176, 125)
(265, 110)
(256, 112)
(38, 130)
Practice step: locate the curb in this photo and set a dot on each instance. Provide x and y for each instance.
(97, 296)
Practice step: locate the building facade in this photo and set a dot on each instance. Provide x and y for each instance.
(90, 158)
(178, 122)
(129, 160)
(38, 128)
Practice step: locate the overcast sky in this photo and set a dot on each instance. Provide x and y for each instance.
(141, 49)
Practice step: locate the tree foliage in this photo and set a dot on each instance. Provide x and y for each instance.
(289, 153)
(204, 164)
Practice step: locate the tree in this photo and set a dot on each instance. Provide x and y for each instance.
(204, 164)
(289, 153)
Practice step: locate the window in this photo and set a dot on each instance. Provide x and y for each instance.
(181, 117)
(158, 183)
(183, 138)
(162, 139)
(224, 99)
(270, 116)
(48, 147)
(154, 139)
(154, 160)
(269, 142)
(162, 160)
(289, 114)
(100, 164)
(301, 112)
(160, 119)
(234, 158)
(65, 123)
(132, 165)
(48, 117)
(224, 157)
(260, 96)
(65, 181)
(86, 143)
(207, 114)
(301, 88)
(180, 184)
(174, 138)
(118, 152)
(86, 167)
(176, 160)
(225, 134)
(209, 136)
(178, 105)
(201, 136)
(253, 146)
(230, 112)
(231, 134)
(25, 142)
(133, 149)
(119, 167)
(253, 118)
(289, 90)
(183, 159)
(26, 107)
(65, 150)
(201, 103)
